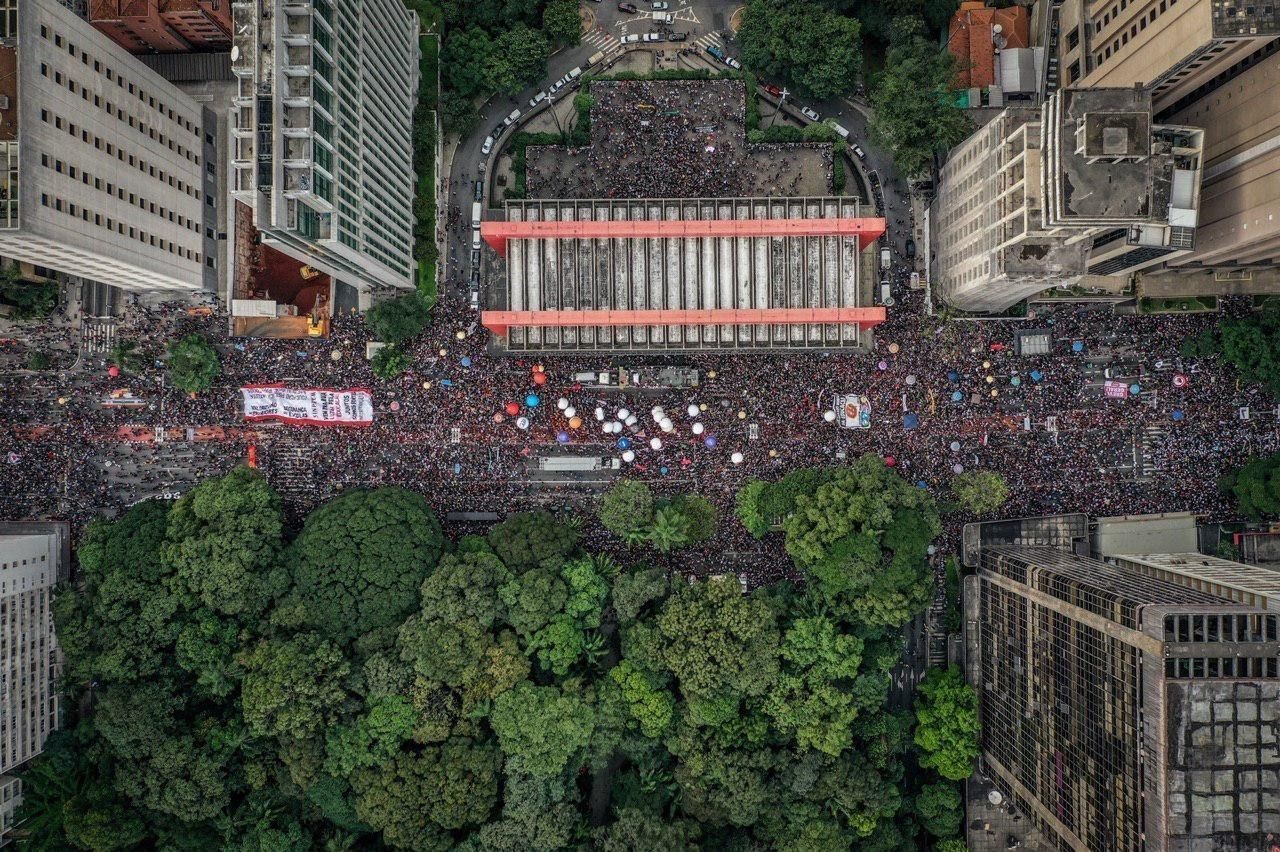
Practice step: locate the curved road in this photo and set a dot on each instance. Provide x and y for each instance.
(699, 18)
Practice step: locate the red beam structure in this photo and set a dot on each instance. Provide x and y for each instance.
(497, 233)
(499, 322)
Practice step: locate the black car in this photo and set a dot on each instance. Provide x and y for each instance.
(911, 248)
(479, 191)
(677, 36)
(628, 7)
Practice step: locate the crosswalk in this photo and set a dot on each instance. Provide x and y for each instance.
(96, 336)
(1152, 457)
(709, 40)
(601, 40)
(292, 470)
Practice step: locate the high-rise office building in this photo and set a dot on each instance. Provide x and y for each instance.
(322, 155)
(164, 26)
(104, 166)
(1210, 64)
(31, 561)
(1122, 709)
(1088, 184)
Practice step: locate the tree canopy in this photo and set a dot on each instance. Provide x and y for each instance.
(193, 364)
(366, 682)
(916, 116)
(980, 491)
(814, 50)
(947, 723)
(1255, 486)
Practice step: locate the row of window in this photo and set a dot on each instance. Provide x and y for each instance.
(118, 191)
(119, 114)
(99, 68)
(78, 212)
(119, 153)
(1135, 28)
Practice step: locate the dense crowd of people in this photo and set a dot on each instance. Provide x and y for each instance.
(443, 429)
(672, 139)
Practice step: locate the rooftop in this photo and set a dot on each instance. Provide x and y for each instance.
(1107, 168)
(974, 38)
(683, 274)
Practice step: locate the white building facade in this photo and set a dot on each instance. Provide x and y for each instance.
(104, 162)
(29, 656)
(321, 133)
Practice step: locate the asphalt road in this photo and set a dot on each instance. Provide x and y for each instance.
(702, 20)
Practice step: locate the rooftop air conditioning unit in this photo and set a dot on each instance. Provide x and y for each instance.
(4, 101)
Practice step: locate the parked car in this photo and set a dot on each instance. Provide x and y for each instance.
(538, 98)
(653, 36)
(859, 153)
(677, 36)
(475, 294)
(808, 113)
(664, 18)
(630, 8)
(475, 258)
(715, 51)
(911, 248)
(772, 89)
(840, 130)
(557, 86)
(477, 191)
(886, 258)
(511, 119)
(487, 146)
(661, 5)
(733, 63)
(631, 39)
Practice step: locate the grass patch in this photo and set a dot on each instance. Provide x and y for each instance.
(1186, 305)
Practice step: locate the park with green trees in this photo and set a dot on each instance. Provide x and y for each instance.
(365, 680)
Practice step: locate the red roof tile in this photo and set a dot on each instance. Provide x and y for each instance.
(973, 43)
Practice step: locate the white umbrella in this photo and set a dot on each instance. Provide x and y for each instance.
(599, 413)
(666, 425)
(693, 410)
(632, 420)
(562, 403)
(955, 446)
(736, 458)
(656, 443)
(957, 468)
(698, 428)
(628, 456)
(829, 416)
(523, 422)
(570, 412)
(911, 380)
(623, 414)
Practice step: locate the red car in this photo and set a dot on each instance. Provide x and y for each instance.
(773, 90)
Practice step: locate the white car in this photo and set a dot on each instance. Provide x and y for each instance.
(487, 146)
(511, 119)
(653, 36)
(732, 63)
(660, 6)
(810, 114)
(538, 98)
(859, 153)
(631, 39)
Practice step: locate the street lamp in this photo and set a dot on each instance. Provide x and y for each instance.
(782, 99)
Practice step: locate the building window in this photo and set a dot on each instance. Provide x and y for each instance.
(1073, 39)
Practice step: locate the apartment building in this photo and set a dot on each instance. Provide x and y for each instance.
(105, 167)
(1088, 184)
(321, 149)
(164, 26)
(1210, 64)
(1120, 710)
(32, 559)
(991, 245)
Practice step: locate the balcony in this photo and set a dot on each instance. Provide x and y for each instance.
(297, 122)
(297, 92)
(297, 62)
(297, 153)
(297, 30)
